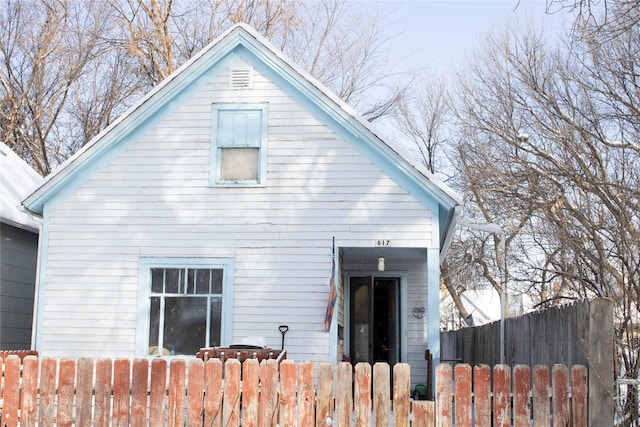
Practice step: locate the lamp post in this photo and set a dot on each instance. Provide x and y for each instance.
(497, 230)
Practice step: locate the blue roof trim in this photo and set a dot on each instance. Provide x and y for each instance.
(245, 42)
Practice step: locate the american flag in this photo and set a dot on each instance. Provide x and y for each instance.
(333, 294)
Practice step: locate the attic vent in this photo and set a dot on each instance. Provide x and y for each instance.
(241, 77)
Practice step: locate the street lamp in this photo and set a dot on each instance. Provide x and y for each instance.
(497, 230)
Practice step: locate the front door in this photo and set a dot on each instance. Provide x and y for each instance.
(374, 319)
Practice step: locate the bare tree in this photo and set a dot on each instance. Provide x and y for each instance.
(548, 149)
(45, 48)
(423, 118)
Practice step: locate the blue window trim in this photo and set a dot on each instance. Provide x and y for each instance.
(214, 159)
(144, 293)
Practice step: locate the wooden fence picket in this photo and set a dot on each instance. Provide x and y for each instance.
(213, 393)
(381, 394)
(102, 393)
(401, 389)
(46, 414)
(195, 393)
(250, 392)
(482, 395)
(66, 391)
(521, 402)
(121, 392)
(268, 402)
(541, 414)
(84, 390)
(424, 413)
(11, 404)
(344, 387)
(462, 387)
(157, 392)
(444, 394)
(306, 395)
(287, 393)
(501, 396)
(560, 399)
(231, 399)
(139, 381)
(579, 395)
(29, 395)
(362, 394)
(175, 403)
(324, 408)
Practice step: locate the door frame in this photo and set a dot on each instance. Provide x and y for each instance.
(403, 308)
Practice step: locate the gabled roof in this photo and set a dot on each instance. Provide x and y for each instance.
(17, 180)
(242, 40)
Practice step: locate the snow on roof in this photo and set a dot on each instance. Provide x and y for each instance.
(17, 181)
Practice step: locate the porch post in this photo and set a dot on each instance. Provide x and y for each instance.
(433, 303)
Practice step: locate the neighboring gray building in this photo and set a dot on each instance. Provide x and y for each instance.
(18, 251)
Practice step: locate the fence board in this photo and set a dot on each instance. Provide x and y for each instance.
(84, 391)
(521, 403)
(482, 395)
(157, 392)
(444, 394)
(175, 403)
(462, 387)
(501, 396)
(11, 404)
(362, 393)
(381, 394)
(121, 392)
(102, 406)
(46, 414)
(29, 395)
(424, 413)
(139, 385)
(344, 402)
(195, 393)
(306, 395)
(250, 392)
(268, 403)
(287, 393)
(560, 399)
(579, 395)
(66, 391)
(231, 400)
(213, 393)
(541, 414)
(324, 409)
(401, 389)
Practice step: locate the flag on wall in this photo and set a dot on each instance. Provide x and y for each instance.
(333, 294)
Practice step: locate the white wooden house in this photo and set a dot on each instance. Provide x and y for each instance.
(18, 251)
(206, 214)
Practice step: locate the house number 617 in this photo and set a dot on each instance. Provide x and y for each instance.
(383, 242)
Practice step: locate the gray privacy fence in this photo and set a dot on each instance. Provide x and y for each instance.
(580, 333)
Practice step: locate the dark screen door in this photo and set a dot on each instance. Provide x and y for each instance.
(374, 319)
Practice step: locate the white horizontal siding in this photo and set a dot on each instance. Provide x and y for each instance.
(155, 201)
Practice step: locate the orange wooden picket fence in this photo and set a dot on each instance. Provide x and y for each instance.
(122, 392)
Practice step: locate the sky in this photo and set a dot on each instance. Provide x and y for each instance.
(436, 35)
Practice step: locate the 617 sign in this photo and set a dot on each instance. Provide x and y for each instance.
(383, 242)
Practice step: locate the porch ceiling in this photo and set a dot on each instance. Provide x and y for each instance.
(367, 258)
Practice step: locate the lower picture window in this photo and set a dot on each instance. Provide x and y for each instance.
(185, 310)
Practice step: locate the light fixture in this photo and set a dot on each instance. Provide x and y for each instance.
(381, 264)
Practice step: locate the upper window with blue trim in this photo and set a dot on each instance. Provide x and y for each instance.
(239, 144)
